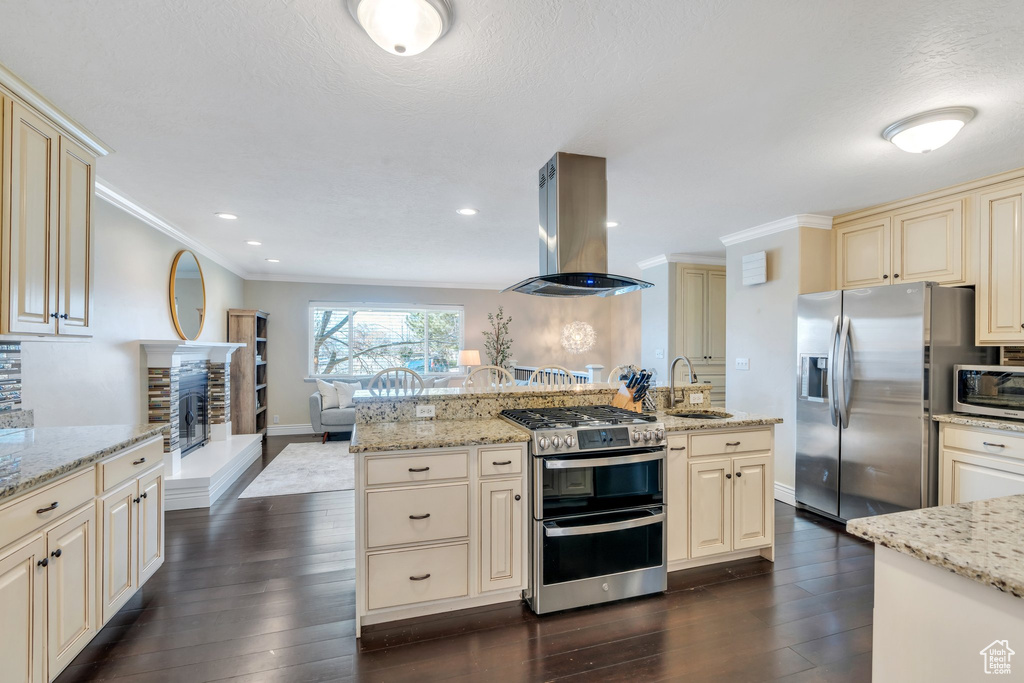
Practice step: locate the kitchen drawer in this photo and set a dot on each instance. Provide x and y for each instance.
(411, 469)
(23, 516)
(500, 461)
(719, 443)
(131, 463)
(991, 442)
(394, 517)
(405, 577)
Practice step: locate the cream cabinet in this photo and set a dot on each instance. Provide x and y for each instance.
(23, 611)
(710, 507)
(977, 464)
(501, 534)
(1000, 308)
(71, 617)
(701, 328)
(48, 182)
(929, 242)
(676, 497)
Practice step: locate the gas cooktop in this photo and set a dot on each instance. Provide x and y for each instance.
(575, 416)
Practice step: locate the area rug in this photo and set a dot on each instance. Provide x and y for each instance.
(306, 468)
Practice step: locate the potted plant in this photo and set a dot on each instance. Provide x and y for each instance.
(497, 343)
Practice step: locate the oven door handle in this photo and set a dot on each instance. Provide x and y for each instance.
(550, 464)
(604, 528)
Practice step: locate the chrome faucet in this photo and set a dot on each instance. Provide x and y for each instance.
(672, 379)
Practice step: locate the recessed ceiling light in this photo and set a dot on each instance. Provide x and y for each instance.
(403, 27)
(927, 131)
(467, 212)
(274, 260)
(611, 224)
(226, 216)
(253, 243)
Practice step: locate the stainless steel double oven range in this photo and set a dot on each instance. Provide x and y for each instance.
(597, 487)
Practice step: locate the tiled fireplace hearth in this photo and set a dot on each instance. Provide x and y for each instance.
(214, 462)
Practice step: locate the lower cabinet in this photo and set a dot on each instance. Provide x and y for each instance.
(151, 524)
(676, 499)
(710, 507)
(977, 464)
(22, 611)
(501, 534)
(71, 587)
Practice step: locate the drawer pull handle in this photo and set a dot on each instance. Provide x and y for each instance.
(419, 578)
(418, 469)
(426, 516)
(44, 562)
(678, 448)
(732, 443)
(139, 461)
(993, 445)
(53, 506)
(503, 462)
(57, 553)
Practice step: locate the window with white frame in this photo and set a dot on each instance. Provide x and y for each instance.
(362, 339)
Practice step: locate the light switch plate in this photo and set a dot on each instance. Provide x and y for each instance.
(425, 410)
(696, 399)
(742, 363)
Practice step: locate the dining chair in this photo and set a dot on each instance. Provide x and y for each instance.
(551, 377)
(489, 378)
(396, 379)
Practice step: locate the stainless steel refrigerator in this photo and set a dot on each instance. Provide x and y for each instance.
(874, 365)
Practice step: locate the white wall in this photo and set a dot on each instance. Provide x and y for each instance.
(761, 326)
(657, 333)
(102, 381)
(536, 329)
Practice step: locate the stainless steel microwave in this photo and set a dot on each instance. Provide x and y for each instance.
(996, 390)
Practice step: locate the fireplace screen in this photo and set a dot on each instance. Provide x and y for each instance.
(193, 418)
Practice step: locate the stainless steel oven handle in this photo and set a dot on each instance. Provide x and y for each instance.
(603, 528)
(602, 462)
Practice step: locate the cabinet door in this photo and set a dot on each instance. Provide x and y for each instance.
(753, 500)
(999, 285)
(928, 244)
(151, 524)
(71, 588)
(678, 470)
(75, 239)
(863, 253)
(710, 507)
(501, 534)
(22, 611)
(715, 320)
(30, 225)
(967, 477)
(692, 299)
(119, 554)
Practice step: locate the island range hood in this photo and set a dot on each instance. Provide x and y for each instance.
(573, 232)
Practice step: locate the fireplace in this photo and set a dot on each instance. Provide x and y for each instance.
(193, 411)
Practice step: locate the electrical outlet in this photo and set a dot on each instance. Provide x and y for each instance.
(425, 410)
(742, 363)
(277, 419)
(659, 353)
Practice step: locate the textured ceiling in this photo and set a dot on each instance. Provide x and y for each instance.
(348, 162)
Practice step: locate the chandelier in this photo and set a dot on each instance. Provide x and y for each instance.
(578, 337)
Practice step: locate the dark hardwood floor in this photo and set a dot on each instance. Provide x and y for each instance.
(262, 589)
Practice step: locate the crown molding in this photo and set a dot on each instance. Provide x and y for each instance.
(801, 220)
(367, 282)
(695, 259)
(115, 198)
(23, 91)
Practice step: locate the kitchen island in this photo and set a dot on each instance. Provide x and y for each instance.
(949, 591)
(443, 506)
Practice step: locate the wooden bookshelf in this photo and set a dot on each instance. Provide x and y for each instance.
(248, 371)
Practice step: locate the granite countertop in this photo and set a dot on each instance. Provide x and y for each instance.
(30, 458)
(982, 541)
(738, 419)
(980, 421)
(401, 436)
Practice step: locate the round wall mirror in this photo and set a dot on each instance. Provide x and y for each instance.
(188, 295)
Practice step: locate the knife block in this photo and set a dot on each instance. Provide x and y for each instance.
(624, 399)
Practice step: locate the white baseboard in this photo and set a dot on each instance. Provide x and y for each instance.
(287, 430)
(785, 494)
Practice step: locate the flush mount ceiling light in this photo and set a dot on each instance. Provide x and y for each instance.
(273, 260)
(403, 27)
(578, 337)
(927, 131)
(254, 243)
(611, 224)
(467, 212)
(226, 216)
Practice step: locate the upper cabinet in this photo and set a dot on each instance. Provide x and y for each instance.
(926, 243)
(1000, 318)
(701, 320)
(45, 227)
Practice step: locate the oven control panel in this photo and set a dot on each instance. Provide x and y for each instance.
(554, 441)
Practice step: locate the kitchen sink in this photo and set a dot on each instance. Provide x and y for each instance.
(698, 414)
